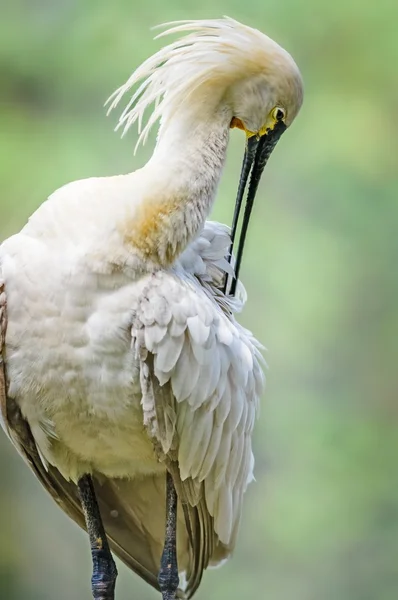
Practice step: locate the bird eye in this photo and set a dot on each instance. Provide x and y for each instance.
(278, 113)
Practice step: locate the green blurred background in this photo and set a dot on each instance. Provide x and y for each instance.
(320, 268)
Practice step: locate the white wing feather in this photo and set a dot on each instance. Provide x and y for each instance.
(213, 367)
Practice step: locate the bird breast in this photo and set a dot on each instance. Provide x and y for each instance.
(70, 364)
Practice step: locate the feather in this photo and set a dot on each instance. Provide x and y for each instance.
(154, 335)
(211, 453)
(161, 308)
(223, 406)
(222, 459)
(203, 425)
(176, 329)
(210, 493)
(183, 309)
(214, 375)
(203, 355)
(235, 459)
(205, 385)
(168, 353)
(200, 453)
(237, 403)
(198, 331)
(224, 333)
(186, 374)
(224, 513)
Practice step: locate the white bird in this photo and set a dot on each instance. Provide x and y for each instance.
(125, 377)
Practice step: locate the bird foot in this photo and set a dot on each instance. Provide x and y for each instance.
(104, 575)
(168, 574)
(168, 579)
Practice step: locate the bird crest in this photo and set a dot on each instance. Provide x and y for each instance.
(212, 55)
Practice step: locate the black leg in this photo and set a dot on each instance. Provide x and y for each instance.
(168, 574)
(104, 568)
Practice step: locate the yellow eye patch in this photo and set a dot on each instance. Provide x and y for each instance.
(237, 123)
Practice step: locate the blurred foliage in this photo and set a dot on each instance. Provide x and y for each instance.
(320, 268)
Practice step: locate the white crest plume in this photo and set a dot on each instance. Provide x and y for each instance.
(216, 51)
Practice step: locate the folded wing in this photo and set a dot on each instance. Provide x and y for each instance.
(201, 381)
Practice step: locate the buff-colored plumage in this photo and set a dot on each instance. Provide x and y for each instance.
(123, 356)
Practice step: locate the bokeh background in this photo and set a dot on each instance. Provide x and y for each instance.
(320, 267)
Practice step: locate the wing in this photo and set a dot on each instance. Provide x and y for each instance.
(201, 381)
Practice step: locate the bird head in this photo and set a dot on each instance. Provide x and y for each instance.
(224, 66)
(262, 99)
(263, 103)
(218, 60)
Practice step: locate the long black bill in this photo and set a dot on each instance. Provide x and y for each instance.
(257, 153)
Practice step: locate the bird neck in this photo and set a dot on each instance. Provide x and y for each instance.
(182, 177)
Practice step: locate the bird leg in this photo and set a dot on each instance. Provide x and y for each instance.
(168, 574)
(104, 568)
